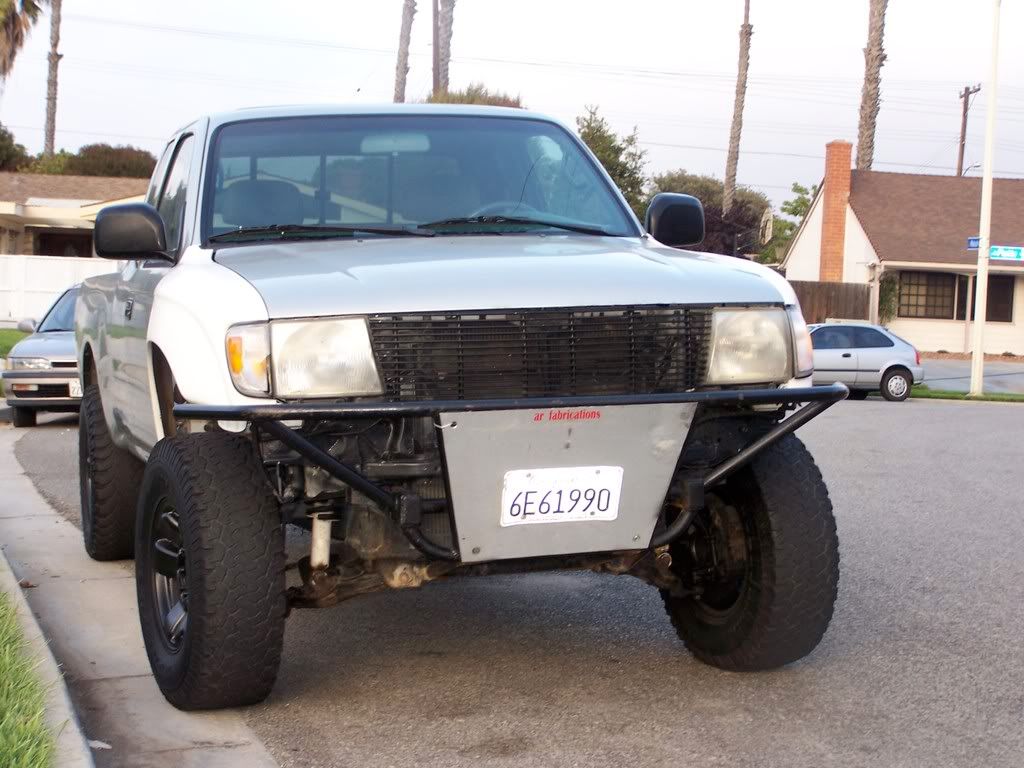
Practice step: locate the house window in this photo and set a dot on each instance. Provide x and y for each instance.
(927, 294)
(999, 305)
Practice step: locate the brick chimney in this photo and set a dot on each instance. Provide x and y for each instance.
(835, 197)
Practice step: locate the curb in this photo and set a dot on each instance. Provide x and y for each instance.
(72, 750)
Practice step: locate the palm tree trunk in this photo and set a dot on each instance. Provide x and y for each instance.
(446, 19)
(51, 79)
(732, 161)
(402, 67)
(871, 95)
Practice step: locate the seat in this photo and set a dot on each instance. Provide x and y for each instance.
(261, 202)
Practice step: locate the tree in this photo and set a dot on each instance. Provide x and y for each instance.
(732, 160)
(871, 95)
(16, 19)
(445, 22)
(105, 160)
(404, 36)
(13, 156)
(621, 156)
(475, 93)
(53, 60)
(783, 230)
(721, 234)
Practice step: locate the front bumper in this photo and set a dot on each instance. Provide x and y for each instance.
(52, 388)
(269, 418)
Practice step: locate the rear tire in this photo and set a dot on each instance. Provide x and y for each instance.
(858, 394)
(108, 481)
(896, 385)
(209, 572)
(23, 417)
(768, 597)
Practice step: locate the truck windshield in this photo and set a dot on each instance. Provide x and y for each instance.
(455, 174)
(61, 316)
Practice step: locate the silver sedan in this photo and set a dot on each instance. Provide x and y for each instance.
(866, 358)
(42, 369)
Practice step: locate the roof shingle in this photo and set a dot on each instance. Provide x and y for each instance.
(20, 187)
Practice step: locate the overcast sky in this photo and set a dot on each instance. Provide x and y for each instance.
(134, 70)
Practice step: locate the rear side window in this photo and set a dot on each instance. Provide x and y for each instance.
(832, 337)
(172, 199)
(869, 338)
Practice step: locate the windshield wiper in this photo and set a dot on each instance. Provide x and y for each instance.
(284, 231)
(496, 219)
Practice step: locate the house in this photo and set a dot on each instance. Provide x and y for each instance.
(50, 215)
(906, 236)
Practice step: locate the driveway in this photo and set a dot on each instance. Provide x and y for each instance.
(922, 665)
(956, 375)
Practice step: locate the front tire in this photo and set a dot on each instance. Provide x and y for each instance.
(108, 482)
(763, 557)
(209, 572)
(896, 385)
(23, 417)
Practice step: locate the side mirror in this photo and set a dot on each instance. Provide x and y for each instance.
(675, 220)
(130, 231)
(27, 325)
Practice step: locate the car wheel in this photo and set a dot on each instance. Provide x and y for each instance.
(209, 572)
(23, 417)
(857, 394)
(760, 565)
(896, 385)
(108, 480)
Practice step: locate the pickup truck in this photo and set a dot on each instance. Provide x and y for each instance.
(438, 340)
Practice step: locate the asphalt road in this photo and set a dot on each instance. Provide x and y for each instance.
(923, 664)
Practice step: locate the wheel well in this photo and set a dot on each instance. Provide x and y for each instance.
(166, 391)
(898, 367)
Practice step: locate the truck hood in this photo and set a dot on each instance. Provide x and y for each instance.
(309, 279)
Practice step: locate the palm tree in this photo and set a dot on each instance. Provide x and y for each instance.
(729, 189)
(51, 79)
(16, 19)
(402, 67)
(446, 17)
(871, 95)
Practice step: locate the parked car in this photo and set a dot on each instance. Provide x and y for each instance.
(866, 358)
(42, 369)
(437, 337)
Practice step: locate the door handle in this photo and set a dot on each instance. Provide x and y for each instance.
(129, 305)
(845, 354)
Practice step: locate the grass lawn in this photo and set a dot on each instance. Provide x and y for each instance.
(924, 391)
(24, 740)
(8, 338)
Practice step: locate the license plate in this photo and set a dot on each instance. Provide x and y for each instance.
(74, 388)
(560, 495)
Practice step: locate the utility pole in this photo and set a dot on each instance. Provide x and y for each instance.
(985, 225)
(966, 97)
(435, 23)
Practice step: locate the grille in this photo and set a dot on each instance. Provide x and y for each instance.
(542, 353)
(46, 390)
(64, 364)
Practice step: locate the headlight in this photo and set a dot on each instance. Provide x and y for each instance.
(323, 358)
(803, 351)
(248, 350)
(749, 346)
(28, 363)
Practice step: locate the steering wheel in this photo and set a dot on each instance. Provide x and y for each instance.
(504, 208)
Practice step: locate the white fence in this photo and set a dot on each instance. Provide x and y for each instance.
(29, 284)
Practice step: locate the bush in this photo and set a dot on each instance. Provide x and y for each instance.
(476, 93)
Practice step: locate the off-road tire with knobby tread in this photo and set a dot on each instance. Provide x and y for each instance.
(108, 501)
(234, 552)
(23, 417)
(784, 612)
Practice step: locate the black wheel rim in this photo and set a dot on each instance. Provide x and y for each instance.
(722, 554)
(169, 579)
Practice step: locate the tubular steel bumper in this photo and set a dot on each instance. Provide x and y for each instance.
(269, 418)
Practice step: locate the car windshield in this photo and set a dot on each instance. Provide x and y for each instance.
(61, 316)
(451, 174)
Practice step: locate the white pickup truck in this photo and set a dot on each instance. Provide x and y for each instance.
(438, 339)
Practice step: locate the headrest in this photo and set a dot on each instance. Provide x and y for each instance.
(261, 202)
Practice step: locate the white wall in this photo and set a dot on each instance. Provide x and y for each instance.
(857, 251)
(949, 335)
(29, 284)
(803, 260)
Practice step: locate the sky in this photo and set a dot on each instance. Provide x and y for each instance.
(133, 72)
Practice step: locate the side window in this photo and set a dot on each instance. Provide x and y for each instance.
(171, 205)
(869, 338)
(831, 337)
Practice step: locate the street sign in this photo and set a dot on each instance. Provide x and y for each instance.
(973, 243)
(1006, 253)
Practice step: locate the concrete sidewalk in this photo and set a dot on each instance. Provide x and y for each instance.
(87, 610)
(955, 375)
